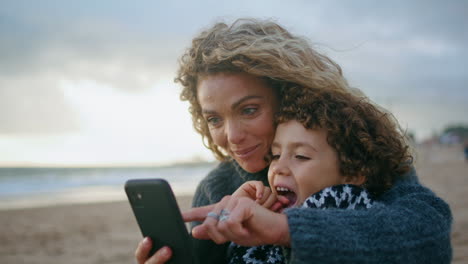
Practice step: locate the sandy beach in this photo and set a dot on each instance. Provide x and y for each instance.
(80, 233)
(107, 232)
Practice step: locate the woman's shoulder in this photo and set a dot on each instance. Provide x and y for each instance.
(223, 169)
(224, 173)
(231, 171)
(405, 185)
(409, 191)
(221, 181)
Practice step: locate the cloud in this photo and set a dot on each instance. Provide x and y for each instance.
(86, 49)
(404, 50)
(34, 106)
(36, 58)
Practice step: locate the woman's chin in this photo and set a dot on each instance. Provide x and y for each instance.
(253, 165)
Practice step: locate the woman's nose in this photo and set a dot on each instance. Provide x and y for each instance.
(235, 132)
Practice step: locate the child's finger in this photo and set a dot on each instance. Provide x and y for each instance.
(262, 195)
(270, 200)
(276, 206)
(283, 200)
(259, 189)
(251, 189)
(265, 193)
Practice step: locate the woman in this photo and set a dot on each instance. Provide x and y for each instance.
(231, 77)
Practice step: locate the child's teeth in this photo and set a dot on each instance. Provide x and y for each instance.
(282, 189)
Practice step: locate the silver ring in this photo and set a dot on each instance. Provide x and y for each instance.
(213, 215)
(224, 215)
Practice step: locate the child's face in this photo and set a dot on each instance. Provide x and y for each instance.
(303, 163)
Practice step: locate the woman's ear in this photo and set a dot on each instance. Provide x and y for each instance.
(356, 180)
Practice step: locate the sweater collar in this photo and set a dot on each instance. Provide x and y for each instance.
(247, 176)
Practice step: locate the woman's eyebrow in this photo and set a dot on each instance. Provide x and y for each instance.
(235, 104)
(243, 99)
(208, 112)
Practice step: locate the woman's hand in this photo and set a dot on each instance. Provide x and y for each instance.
(161, 256)
(246, 223)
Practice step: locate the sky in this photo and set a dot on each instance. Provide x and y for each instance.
(91, 82)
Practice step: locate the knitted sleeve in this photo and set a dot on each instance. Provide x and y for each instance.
(408, 224)
(219, 182)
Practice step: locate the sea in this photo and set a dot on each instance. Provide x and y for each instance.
(29, 187)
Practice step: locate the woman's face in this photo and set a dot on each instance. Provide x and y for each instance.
(239, 110)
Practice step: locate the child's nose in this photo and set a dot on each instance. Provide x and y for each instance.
(281, 167)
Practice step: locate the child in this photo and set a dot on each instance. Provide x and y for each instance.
(332, 149)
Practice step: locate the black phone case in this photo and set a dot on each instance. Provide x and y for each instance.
(158, 216)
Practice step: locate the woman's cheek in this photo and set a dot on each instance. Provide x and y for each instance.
(218, 138)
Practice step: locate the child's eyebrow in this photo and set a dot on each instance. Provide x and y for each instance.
(275, 144)
(298, 144)
(294, 145)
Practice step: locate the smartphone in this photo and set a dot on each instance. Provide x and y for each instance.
(158, 216)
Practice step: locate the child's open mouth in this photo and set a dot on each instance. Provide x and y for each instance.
(290, 195)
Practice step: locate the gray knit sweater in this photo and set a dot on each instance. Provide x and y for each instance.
(409, 224)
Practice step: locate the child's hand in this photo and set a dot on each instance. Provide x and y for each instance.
(252, 189)
(262, 194)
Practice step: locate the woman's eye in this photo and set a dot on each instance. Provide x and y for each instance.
(302, 157)
(213, 121)
(249, 110)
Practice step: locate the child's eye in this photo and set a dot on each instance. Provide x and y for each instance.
(302, 157)
(275, 156)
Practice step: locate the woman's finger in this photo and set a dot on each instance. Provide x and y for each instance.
(259, 225)
(211, 223)
(226, 224)
(200, 232)
(197, 213)
(143, 250)
(161, 256)
(237, 215)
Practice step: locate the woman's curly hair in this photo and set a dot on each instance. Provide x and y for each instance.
(367, 139)
(261, 48)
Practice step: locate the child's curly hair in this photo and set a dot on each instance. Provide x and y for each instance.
(368, 141)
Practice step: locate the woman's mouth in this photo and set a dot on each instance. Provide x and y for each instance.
(244, 153)
(287, 195)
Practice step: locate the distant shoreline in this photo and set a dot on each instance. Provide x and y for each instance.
(37, 187)
(81, 195)
(33, 165)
